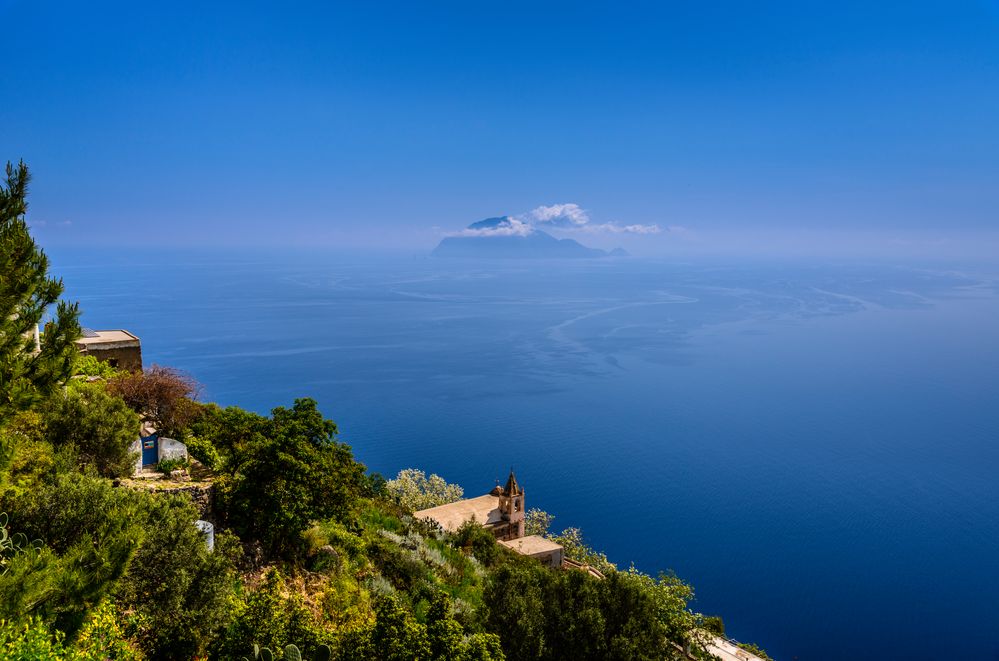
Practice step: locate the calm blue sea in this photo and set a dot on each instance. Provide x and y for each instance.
(815, 447)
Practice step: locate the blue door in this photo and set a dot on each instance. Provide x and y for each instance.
(150, 450)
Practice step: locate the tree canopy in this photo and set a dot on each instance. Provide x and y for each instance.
(28, 373)
(291, 472)
(162, 395)
(95, 425)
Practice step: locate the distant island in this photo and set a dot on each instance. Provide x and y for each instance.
(504, 237)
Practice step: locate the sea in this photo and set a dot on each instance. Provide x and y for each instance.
(813, 445)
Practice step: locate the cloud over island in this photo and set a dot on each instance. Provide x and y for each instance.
(568, 217)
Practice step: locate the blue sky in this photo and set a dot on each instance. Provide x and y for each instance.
(384, 125)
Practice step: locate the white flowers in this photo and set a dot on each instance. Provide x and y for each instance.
(415, 491)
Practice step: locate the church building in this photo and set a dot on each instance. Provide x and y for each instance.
(500, 511)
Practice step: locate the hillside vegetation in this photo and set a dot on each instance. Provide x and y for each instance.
(313, 555)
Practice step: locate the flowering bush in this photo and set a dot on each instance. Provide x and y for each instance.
(415, 491)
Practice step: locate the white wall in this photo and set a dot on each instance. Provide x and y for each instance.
(171, 449)
(136, 449)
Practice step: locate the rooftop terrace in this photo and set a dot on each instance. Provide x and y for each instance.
(118, 337)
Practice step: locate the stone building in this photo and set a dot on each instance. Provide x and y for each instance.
(500, 511)
(118, 348)
(543, 550)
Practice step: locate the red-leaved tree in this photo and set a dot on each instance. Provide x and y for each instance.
(161, 395)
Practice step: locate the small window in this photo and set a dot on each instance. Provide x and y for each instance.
(113, 362)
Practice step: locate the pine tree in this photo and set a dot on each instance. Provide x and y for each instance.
(29, 373)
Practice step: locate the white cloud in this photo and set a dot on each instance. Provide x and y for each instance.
(572, 217)
(511, 227)
(560, 215)
(568, 217)
(615, 228)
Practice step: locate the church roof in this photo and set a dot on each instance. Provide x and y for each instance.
(532, 545)
(483, 509)
(511, 488)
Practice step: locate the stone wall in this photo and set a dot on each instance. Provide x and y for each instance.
(126, 358)
(201, 494)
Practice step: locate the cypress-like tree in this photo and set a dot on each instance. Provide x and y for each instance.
(29, 373)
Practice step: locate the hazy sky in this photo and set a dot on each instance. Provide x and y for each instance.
(386, 124)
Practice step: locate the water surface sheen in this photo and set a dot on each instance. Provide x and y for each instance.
(812, 447)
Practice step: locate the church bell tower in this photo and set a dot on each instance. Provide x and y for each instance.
(511, 506)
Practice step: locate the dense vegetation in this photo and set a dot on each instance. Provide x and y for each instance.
(310, 550)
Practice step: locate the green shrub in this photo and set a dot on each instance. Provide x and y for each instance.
(402, 570)
(90, 531)
(545, 614)
(396, 635)
(27, 458)
(270, 618)
(713, 624)
(538, 522)
(98, 426)
(180, 591)
(103, 638)
(140, 547)
(575, 548)
(336, 535)
(376, 484)
(31, 641)
(281, 482)
(227, 429)
(376, 517)
(753, 648)
(204, 451)
(85, 365)
(166, 466)
(477, 542)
